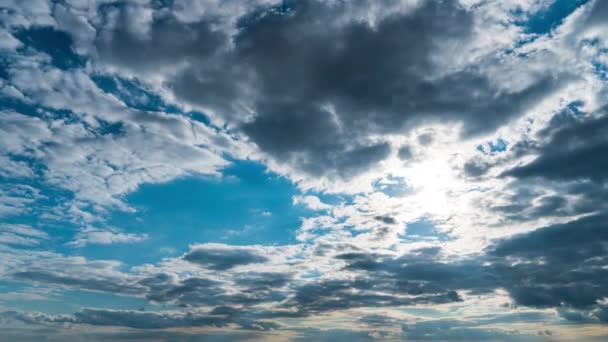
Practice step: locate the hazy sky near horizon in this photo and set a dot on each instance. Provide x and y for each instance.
(306, 170)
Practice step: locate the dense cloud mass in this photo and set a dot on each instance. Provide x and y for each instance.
(576, 150)
(314, 88)
(219, 258)
(319, 170)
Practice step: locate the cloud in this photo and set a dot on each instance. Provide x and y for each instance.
(360, 88)
(385, 219)
(322, 112)
(405, 152)
(455, 330)
(94, 236)
(97, 281)
(420, 273)
(575, 150)
(449, 112)
(558, 265)
(553, 266)
(140, 319)
(21, 234)
(596, 315)
(221, 257)
(311, 202)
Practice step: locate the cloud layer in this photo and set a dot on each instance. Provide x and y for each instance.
(446, 159)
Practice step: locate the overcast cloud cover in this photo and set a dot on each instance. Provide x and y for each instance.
(307, 170)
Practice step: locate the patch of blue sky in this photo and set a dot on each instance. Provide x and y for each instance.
(312, 274)
(332, 199)
(519, 43)
(549, 17)
(21, 296)
(11, 286)
(45, 214)
(353, 230)
(424, 312)
(248, 205)
(575, 107)
(601, 70)
(22, 107)
(599, 64)
(491, 147)
(57, 44)
(49, 195)
(110, 128)
(4, 64)
(133, 94)
(392, 186)
(424, 229)
(137, 96)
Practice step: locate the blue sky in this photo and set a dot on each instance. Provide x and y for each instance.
(303, 171)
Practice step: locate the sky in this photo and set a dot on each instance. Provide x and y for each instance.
(303, 170)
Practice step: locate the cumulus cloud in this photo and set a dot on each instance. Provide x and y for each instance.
(94, 236)
(450, 155)
(221, 257)
(359, 79)
(575, 150)
(311, 202)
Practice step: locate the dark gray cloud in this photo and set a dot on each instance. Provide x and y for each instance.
(317, 89)
(224, 258)
(565, 177)
(166, 42)
(563, 264)
(247, 288)
(597, 314)
(426, 138)
(319, 83)
(372, 78)
(104, 283)
(420, 273)
(554, 266)
(476, 168)
(405, 152)
(527, 203)
(34, 334)
(336, 294)
(141, 319)
(145, 320)
(559, 266)
(598, 14)
(572, 242)
(385, 219)
(576, 149)
(188, 292)
(243, 289)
